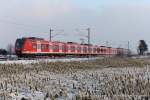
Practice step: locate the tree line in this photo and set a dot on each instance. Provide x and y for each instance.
(8, 50)
(3, 52)
(142, 48)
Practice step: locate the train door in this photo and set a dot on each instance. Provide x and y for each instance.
(38, 46)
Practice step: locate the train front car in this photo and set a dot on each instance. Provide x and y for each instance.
(18, 46)
(27, 46)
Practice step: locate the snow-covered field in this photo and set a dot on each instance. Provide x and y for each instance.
(74, 81)
(47, 60)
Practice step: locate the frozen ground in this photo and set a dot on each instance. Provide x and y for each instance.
(47, 60)
(76, 81)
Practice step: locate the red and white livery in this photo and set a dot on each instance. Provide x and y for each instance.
(31, 46)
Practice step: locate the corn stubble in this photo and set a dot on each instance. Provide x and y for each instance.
(105, 79)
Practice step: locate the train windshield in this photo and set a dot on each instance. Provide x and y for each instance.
(18, 43)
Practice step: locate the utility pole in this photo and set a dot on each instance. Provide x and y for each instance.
(89, 39)
(128, 48)
(89, 33)
(50, 34)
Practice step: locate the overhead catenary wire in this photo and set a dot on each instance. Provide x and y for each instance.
(55, 34)
(27, 27)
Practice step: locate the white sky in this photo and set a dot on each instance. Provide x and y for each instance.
(116, 21)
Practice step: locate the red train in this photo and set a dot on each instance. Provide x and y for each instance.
(32, 46)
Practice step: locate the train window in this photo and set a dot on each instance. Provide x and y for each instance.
(69, 48)
(101, 50)
(84, 49)
(34, 46)
(63, 47)
(39, 46)
(18, 43)
(94, 50)
(60, 47)
(114, 51)
(90, 49)
(104, 50)
(42, 46)
(66, 48)
(72, 48)
(79, 48)
(47, 46)
(56, 47)
(50, 47)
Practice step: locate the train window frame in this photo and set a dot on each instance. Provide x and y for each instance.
(101, 50)
(60, 47)
(50, 47)
(72, 48)
(105, 50)
(47, 46)
(79, 48)
(38, 46)
(66, 48)
(42, 46)
(94, 50)
(19, 43)
(90, 49)
(34, 46)
(85, 49)
(55, 47)
(63, 47)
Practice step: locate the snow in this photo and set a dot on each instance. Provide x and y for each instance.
(103, 83)
(46, 60)
(96, 83)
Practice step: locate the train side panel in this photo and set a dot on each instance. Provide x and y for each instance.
(37, 46)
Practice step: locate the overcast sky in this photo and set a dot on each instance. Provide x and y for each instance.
(116, 21)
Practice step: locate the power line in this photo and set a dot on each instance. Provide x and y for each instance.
(56, 34)
(28, 26)
(88, 36)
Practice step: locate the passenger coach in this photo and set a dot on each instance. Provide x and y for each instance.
(32, 46)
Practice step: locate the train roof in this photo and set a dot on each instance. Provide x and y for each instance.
(57, 42)
(102, 46)
(33, 38)
(72, 43)
(87, 44)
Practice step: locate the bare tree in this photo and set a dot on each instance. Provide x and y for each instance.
(10, 48)
(142, 48)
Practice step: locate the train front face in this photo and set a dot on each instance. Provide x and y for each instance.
(18, 47)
